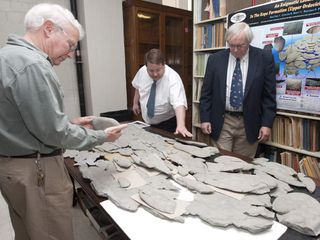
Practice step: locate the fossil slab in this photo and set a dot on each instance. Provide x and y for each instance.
(187, 163)
(194, 185)
(279, 171)
(124, 162)
(298, 211)
(244, 183)
(151, 160)
(103, 182)
(229, 163)
(101, 123)
(310, 184)
(86, 157)
(223, 211)
(196, 151)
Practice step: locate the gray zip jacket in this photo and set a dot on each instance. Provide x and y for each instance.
(31, 105)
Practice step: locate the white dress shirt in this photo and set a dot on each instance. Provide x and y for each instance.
(244, 63)
(169, 94)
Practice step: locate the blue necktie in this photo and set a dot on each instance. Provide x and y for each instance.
(236, 87)
(151, 100)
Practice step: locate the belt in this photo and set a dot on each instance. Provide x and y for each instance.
(35, 155)
(233, 113)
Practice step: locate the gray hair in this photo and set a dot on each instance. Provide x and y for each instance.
(238, 28)
(39, 13)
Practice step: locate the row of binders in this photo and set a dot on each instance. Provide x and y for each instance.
(210, 36)
(296, 132)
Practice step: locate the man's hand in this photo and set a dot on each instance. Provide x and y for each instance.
(113, 133)
(136, 109)
(206, 127)
(264, 134)
(183, 131)
(84, 121)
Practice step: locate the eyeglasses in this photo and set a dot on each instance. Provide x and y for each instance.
(233, 46)
(72, 45)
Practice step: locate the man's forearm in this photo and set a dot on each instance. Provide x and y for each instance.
(180, 115)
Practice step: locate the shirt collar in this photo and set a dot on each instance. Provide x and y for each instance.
(243, 59)
(20, 41)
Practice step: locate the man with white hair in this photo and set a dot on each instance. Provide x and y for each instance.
(238, 97)
(34, 128)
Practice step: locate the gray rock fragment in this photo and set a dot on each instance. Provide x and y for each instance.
(298, 211)
(101, 123)
(105, 185)
(86, 157)
(220, 210)
(183, 171)
(281, 189)
(188, 164)
(160, 194)
(71, 153)
(158, 199)
(279, 171)
(122, 161)
(243, 183)
(107, 147)
(193, 143)
(196, 151)
(151, 160)
(258, 200)
(309, 183)
(194, 185)
(228, 163)
(125, 151)
(123, 182)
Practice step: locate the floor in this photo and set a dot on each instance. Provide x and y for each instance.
(83, 229)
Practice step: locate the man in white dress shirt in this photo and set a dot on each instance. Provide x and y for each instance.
(170, 101)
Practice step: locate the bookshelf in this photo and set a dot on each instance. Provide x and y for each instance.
(209, 30)
(295, 138)
(209, 26)
(148, 25)
(295, 142)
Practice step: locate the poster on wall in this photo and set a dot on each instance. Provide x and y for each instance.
(291, 31)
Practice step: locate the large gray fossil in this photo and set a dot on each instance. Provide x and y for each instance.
(220, 210)
(298, 211)
(279, 171)
(151, 155)
(237, 182)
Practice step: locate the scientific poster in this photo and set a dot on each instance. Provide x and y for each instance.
(291, 31)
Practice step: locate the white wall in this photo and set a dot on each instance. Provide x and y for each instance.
(183, 4)
(104, 61)
(103, 55)
(11, 21)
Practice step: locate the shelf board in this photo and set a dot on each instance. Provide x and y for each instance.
(298, 115)
(217, 19)
(292, 149)
(197, 125)
(198, 76)
(209, 49)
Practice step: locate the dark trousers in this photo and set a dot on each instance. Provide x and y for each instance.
(169, 125)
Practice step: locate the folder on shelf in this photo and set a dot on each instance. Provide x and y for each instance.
(205, 9)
